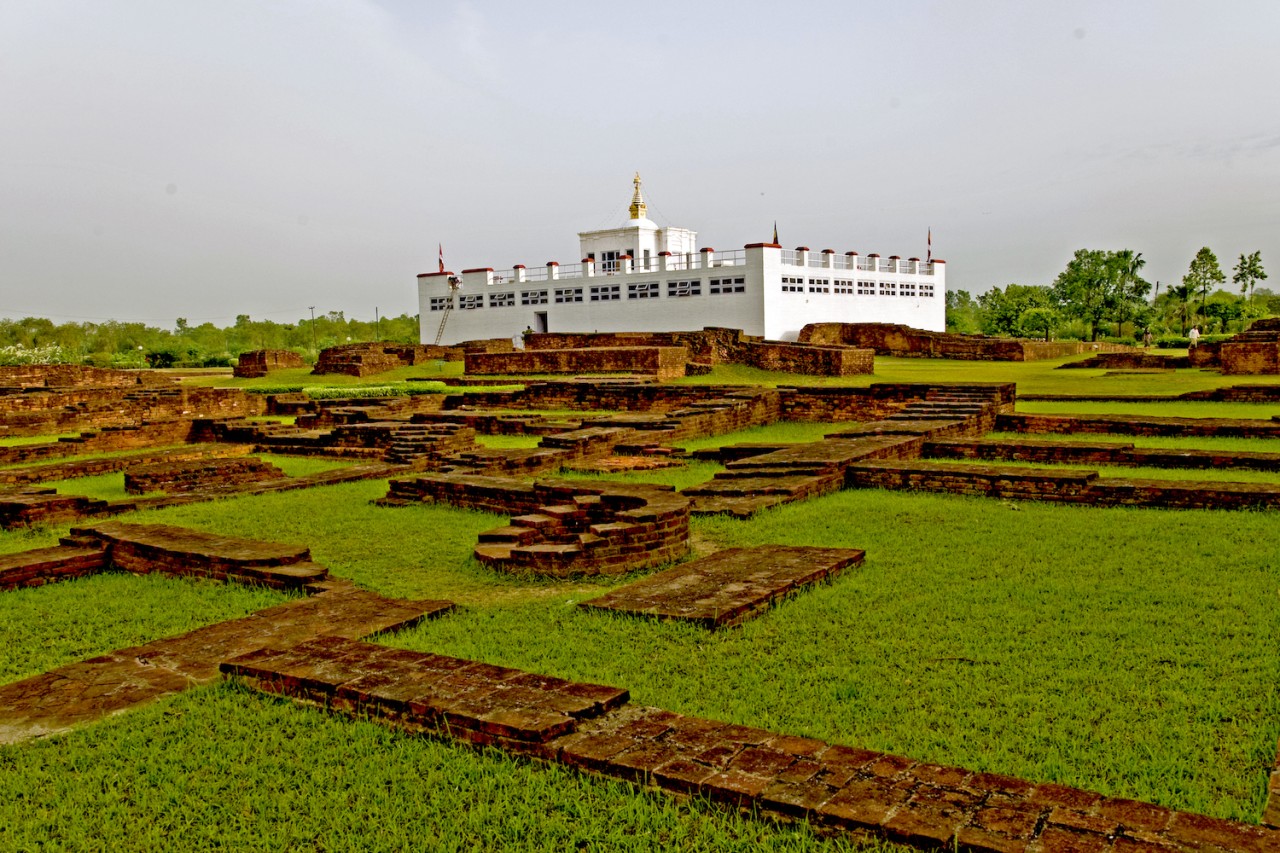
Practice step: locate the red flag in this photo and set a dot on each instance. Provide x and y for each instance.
(928, 255)
(441, 245)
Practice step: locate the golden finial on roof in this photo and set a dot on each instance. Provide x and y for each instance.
(639, 209)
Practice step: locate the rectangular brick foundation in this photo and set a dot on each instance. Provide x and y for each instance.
(728, 587)
(659, 362)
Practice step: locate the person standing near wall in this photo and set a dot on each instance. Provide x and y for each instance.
(1194, 336)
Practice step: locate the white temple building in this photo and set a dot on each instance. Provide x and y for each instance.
(641, 277)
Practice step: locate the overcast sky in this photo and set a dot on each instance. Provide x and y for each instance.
(207, 159)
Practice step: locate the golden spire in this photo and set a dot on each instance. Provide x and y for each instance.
(639, 209)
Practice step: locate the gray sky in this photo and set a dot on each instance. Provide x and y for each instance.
(205, 159)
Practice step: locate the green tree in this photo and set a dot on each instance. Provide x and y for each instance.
(1249, 272)
(1041, 320)
(1099, 285)
(962, 313)
(1204, 275)
(1002, 310)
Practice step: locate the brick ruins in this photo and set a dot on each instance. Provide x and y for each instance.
(609, 353)
(260, 362)
(367, 359)
(196, 475)
(906, 342)
(1256, 351)
(918, 436)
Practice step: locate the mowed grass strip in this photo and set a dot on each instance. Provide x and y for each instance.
(223, 768)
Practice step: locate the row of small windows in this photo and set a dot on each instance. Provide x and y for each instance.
(598, 293)
(679, 289)
(862, 288)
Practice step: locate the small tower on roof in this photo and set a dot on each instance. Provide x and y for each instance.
(640, 239)
(639, 210)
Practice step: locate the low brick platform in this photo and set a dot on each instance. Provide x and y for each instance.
(146, 548)
(1138, 425)
(27, 506)
(72, 695)
(729, 587)
(838, 789)
(76, 468)
(792, 473)
(45, 565)
(1109, 453)
(197, 474)
(474, 702)
(1060, 486)
(659, 362)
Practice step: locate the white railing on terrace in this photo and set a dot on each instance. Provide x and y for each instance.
(790, 258)
(866, 264)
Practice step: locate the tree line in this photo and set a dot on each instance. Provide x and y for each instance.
(1103, 293)
(125, 344)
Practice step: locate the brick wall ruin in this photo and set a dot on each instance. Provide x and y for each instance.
(903, 341)
(196, 475)
(659, 362)
(76, 376)
(366, 359)
(713, 346)
(260, 362)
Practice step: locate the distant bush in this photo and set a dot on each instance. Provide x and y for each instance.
(18, 354)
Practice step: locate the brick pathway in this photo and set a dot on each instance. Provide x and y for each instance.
(729, 587)
(63, 698)
(838, 789)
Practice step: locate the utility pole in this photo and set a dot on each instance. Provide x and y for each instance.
(377, 325)
(314, 351)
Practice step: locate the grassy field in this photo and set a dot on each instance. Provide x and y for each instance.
(1131, 651)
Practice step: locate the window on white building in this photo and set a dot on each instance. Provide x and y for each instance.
(569, 294)
(470, 303)
(819, 285)
(843, 286)
(907, 288)
(926, 290)
(684, 288)
(792, 284)
(866, 288)
(502, 300)
(719, 286)
(605, 293)
(609, 261)
(533, 297)
(439, 303)
(643, 290)
(887, 288)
